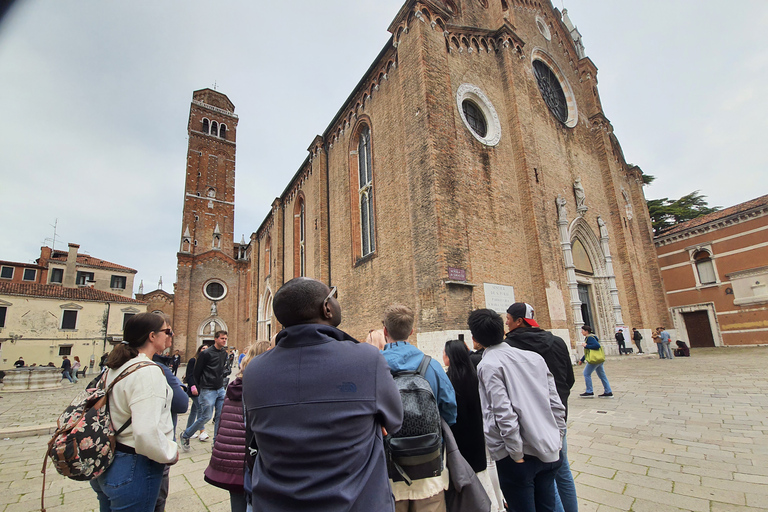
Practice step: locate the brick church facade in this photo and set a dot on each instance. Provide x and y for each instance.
(472, 160)
(472, 166)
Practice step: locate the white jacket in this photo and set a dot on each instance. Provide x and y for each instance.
(146, 397)
(522, 413)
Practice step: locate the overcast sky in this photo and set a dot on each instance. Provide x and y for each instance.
(95, 99)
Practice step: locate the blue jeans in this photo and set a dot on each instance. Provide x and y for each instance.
(528, 486)
(565, 488)
(221, 393)
(666, 350)
(131, 483)
(600, 373)
(193, 412)
(207, 401)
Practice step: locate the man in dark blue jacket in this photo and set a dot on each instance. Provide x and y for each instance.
(316, 405)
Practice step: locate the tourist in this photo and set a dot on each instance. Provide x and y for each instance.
(209, 377)
(19, 362)
(75, 368)
(468, 429)
(682, 349)
(66, 369)
(179, 405)
(666, 342)
(636, 336)
(424, 493)
(526, 334)
(194, 393)
(316, 405)
(144, 398)
(620, 342)
(523, 417)
(591, 343)
(175, 361)
(226, 469)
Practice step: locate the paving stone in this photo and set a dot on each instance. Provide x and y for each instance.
(666, 498)
(690, 435)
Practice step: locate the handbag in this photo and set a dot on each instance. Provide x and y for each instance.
(593, 356)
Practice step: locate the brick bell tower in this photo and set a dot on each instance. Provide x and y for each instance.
(211, 267)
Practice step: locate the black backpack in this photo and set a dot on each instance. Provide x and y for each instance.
(416, 450)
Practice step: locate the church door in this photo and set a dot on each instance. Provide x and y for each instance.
(698, 328)
(586, 305)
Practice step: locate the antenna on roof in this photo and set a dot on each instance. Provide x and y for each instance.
(53, 240)
(214, 85)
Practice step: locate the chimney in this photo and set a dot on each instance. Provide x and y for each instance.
(71, 271)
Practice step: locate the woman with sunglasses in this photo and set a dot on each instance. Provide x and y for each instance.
(142, 401)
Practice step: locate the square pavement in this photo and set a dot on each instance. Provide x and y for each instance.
(689, 434)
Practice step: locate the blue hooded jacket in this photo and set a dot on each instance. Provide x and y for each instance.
(401, 355)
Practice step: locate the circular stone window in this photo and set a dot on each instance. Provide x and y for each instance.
(215, 290)
(543, 28)
(555, 90)
(478, 114)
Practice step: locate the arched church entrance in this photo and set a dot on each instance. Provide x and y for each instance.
(208, 328)
(589, 269)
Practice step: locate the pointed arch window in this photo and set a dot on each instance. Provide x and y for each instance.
(214, 128)
(268, 256)
(223, 131)
(300, 238)
(206, 126)
(365, 191)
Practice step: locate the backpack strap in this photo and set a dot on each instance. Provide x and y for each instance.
(424, 365)
(123, 375)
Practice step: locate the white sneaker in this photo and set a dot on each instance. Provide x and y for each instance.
(204, 436)
(194, 436)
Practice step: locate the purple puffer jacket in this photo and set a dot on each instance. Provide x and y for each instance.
(228, 456)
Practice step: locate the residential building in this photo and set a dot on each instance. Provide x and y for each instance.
(42, 322)
(715, 272)
(65, 304)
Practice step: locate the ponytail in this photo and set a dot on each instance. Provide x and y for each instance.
(135, 335)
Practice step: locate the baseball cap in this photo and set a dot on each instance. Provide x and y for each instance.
(523, 310)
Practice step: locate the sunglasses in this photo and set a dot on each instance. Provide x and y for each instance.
(334, 293)
(168, 331)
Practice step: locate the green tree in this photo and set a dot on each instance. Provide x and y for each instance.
(666, 213)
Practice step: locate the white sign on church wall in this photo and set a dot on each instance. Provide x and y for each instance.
(498, 297)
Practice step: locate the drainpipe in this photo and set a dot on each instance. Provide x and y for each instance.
(106, 330)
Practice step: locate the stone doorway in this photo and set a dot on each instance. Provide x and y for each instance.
(586, 306)
(699, 329)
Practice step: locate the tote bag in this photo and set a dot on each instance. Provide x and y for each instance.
(594, 356)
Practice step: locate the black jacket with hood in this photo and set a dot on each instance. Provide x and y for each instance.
(555, 354)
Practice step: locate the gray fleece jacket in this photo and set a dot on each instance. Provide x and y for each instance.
(522, 413)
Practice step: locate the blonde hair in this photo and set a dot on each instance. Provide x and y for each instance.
(254, 350)
(398, 319)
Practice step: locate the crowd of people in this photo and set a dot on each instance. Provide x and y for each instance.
(315, 420)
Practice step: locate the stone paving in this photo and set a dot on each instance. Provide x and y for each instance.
(687, 434)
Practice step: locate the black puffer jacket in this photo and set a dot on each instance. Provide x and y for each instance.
(555, 354)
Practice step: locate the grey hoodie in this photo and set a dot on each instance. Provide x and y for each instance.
(522, 413)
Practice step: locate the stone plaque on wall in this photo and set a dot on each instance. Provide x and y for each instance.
(498, 297)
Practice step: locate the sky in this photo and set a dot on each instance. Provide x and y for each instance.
(95, 100)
